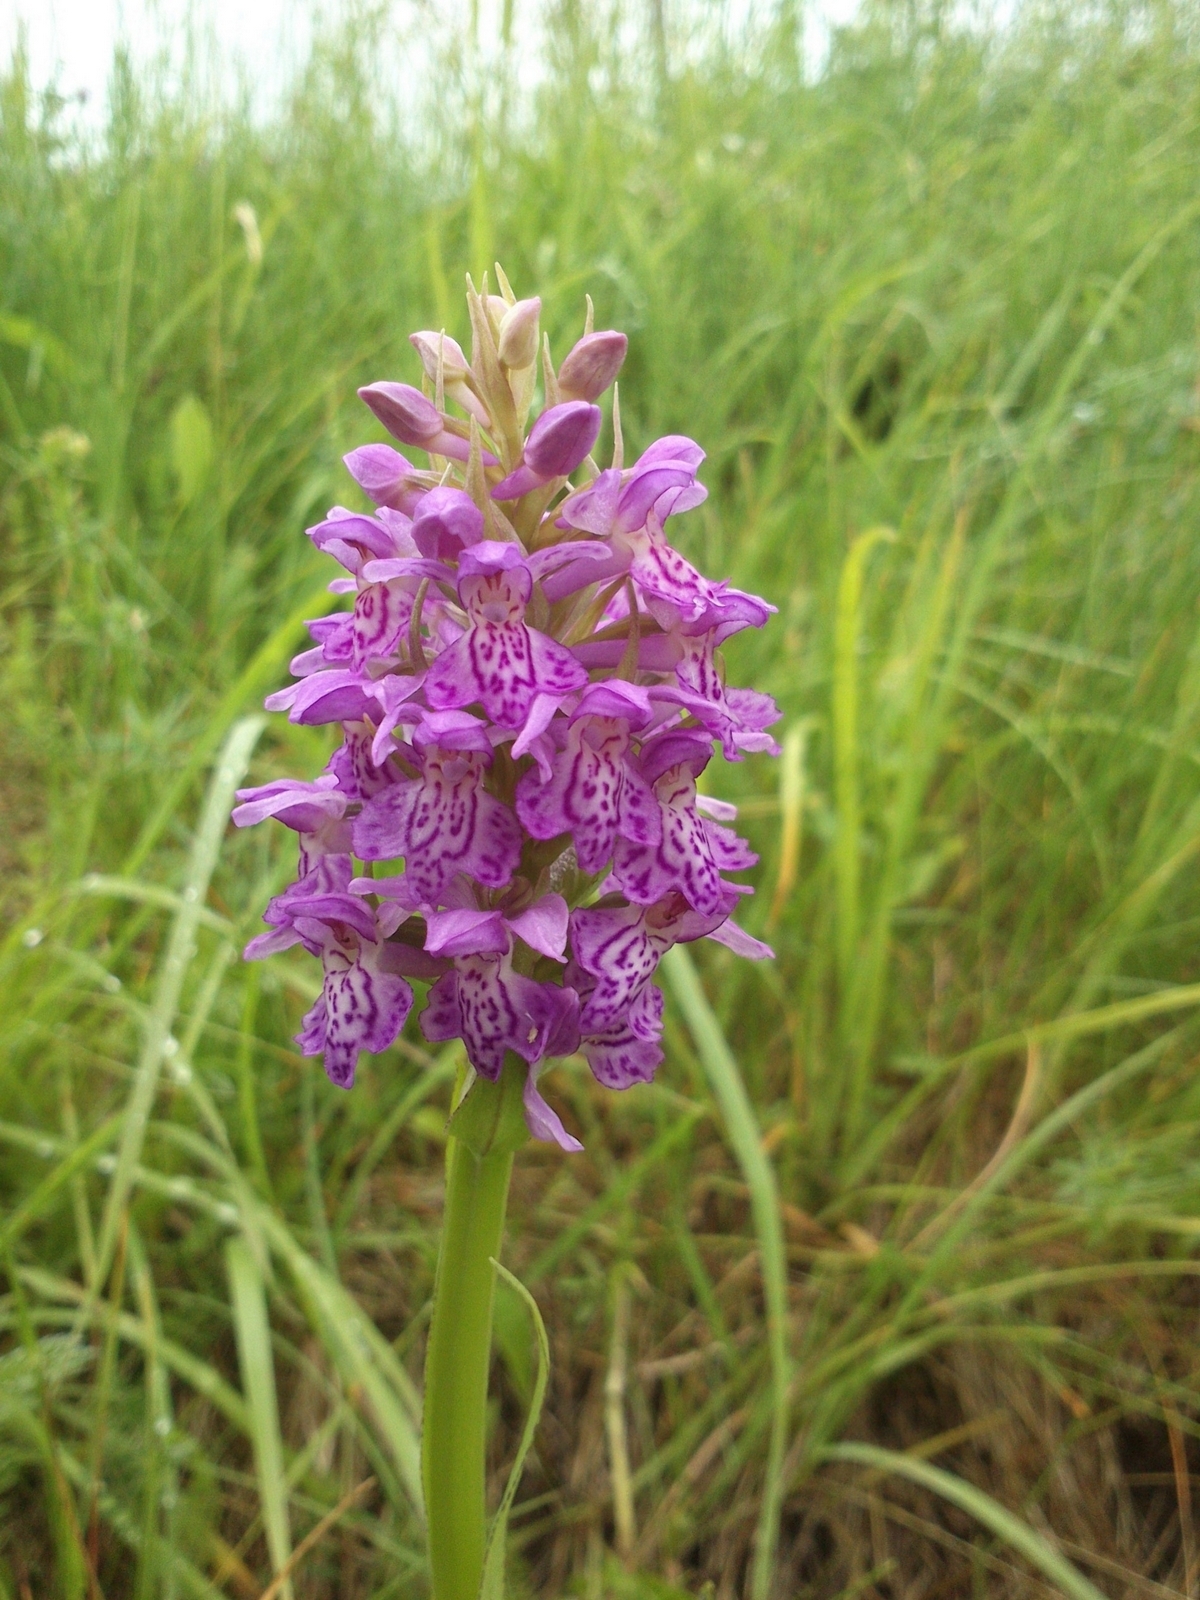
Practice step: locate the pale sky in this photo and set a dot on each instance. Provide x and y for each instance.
(74, 39)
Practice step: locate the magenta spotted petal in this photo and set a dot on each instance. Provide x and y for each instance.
(363, 1005)
(692, 851)
(382, 613)
(494, 1009)
(499, 662)
(442, 823)
(628, 1052)
(595, 793)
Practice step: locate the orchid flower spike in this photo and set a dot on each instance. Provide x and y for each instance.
(528, 686)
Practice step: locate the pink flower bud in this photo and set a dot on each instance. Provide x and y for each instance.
(404, 411)
(385, 476)
(518, 344)
(409, 417)
(557, 443)
(591, 365)
(561, 437)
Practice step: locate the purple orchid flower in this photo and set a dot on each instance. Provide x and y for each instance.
(364, 1000)
(500, 662)
(595, 793)
(443, 822)
(692, 851)
(493, 1008)
(738, 717)
(616, 949)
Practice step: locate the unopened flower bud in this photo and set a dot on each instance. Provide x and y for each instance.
(410, 417)
(557, 443)
(404, 411)
(454, 363)
(384, 475)
(591, 365)
(456, 374)
(561, 437)
(497, 310)
(518, 343)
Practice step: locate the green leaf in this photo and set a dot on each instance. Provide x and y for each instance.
(191, 447)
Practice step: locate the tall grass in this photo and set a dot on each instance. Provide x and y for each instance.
(888, 1286)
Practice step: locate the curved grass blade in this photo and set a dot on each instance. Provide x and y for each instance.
(995, 1517)
(492, 1587)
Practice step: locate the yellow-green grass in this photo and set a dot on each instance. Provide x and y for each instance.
(888, 1286)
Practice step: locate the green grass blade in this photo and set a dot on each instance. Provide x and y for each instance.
(230, 769)
(359, 1350)
(742, 1128)
(256, 1359)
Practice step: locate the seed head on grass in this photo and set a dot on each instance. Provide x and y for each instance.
(529, 690)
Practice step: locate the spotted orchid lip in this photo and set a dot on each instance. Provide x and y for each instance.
(523, 723)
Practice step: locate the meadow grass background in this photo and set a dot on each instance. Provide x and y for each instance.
(895, 1266)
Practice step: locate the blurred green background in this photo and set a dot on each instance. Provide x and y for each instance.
(933, 313)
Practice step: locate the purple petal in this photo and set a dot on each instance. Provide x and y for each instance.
(442, 1016)
(384, 476)
(543, 926)
(297, 804)
(646, 488)
(674, 447)
(335, 696)
(463, 932)
(593, 508)
(447, 523)
(741, 942)
(365, 1009)
(381, 616)
(543, 1121)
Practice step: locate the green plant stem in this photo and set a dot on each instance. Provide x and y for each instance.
(454, 1435)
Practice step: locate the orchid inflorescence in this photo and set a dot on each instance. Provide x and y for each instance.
(528, 687)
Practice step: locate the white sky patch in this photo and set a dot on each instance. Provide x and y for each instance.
(260, 42)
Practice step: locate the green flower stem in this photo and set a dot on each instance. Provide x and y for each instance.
(454, 1435)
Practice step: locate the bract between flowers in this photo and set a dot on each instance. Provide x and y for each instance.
(528, 686)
